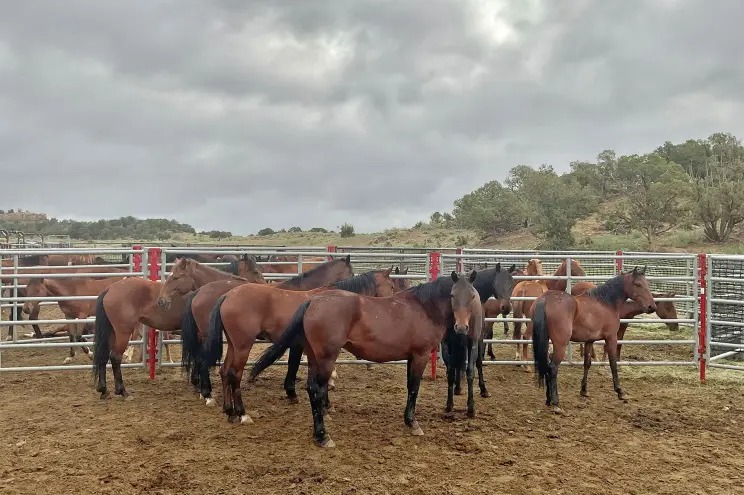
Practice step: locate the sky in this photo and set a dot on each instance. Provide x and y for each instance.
(238, 115)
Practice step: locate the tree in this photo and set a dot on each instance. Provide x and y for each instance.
(319, 230)
(719, 195)
(654, 195)
(436, 218)
(692, 155)
(266, 231)
(295, 229)
(558, 204)
(347, 230)
(491, 209)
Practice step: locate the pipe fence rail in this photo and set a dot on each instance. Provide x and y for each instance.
(707, 291)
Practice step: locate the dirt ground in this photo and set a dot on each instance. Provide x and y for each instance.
(673, 436)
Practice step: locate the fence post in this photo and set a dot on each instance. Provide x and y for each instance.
(619, 261)
(331, 249)
(434, 262)
(703, 309)
(137, 259)
(153, 257)
(459, 260)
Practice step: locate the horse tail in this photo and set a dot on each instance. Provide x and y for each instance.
(295, 329)
(190, 348)
(102, 336)
(211, 351)
(540, 342)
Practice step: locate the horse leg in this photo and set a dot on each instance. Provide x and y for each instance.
(119, 344)
(314, 393)
(517, 334)
(551, 389)
(452, 370)
(35, 316)
(71, 335)
(588, 353)
(488, 334)
(472, 356)
(293, 365)
(79, 338)
(479, 363)
(612, 356)
(526, 337)
(415, 367)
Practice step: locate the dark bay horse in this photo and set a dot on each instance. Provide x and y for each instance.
(407, 325)
(195, 322)
(281, 263)
(493, 307)
(120, 310)
(70, 287)
(489, 282)
(665, 310)
(593, 315)
(248, 311)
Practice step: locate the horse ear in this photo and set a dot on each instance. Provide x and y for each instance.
(498, 266)
(643, 271)
(348, 259)
(635, 272)
(397, 270)
(512, 268)
(406, 271)
(473, 274)
(455, 276)
(388, 271)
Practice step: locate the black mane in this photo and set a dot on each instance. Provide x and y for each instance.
(297, 279)
(362, 283)
(483, 283)
(432, 292)
(610, 292)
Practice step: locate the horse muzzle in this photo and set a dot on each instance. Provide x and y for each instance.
(462, 329)
(164, 304)
(651, 309)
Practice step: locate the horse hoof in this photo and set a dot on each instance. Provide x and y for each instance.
(584, 395)
(209, 402)
(245, 419)
(485, 394)
(232, 418)
(67, 360)
(449, 414)
(557, 410)
(201, 396)
(104, 395)
(90, 355)
(416, 429)
(458, 392)
(471, 414)
(293, 400)
(327, 443)
(623, 397)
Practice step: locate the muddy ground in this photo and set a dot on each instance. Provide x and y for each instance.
(673, 436)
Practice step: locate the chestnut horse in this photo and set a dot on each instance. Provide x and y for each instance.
(122, 307)
(407, 325)
(665, 310)
(7, 283)
(248, 311)
(594, 315)
(308, 263)
(195, 323)
(492, 308)
(71, 287)
(576, 271)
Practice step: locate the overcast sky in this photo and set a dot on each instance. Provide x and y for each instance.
(239, 114)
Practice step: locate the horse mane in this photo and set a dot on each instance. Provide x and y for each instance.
(432, 292)
(313, 271)
(611, 291)
(217, 270)
(562, 270)
(364, 282)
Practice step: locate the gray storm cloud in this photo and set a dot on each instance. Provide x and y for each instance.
(240, 115)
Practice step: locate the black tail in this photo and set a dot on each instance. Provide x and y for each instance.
(295, 329)
(102, 336)
(190, 345)
(211, 350)
(540, 342)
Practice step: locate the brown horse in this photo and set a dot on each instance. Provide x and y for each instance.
(401, 283)
(493, 307)
(199, 304)
(120, 310)
(248, 311)
(71, 287)
(308, 263)
(591, 316)
(7, 283)
(407, 326)
(576, 271)
(664, 310)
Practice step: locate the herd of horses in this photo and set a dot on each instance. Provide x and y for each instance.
(327, 308)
